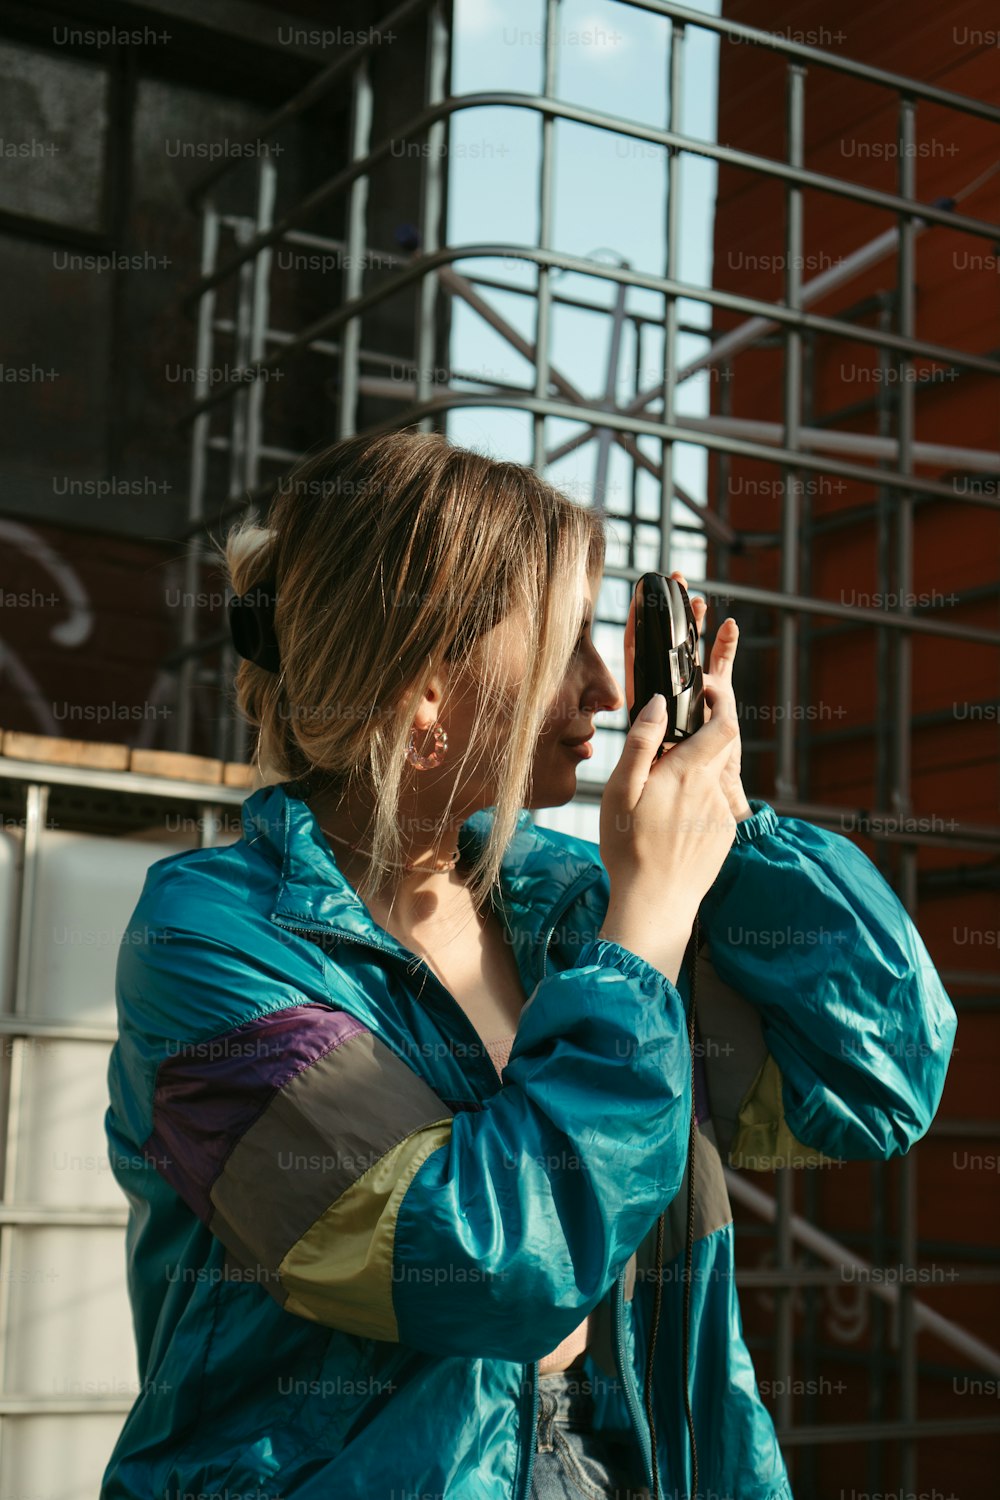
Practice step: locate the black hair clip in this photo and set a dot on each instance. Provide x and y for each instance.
(251, 625)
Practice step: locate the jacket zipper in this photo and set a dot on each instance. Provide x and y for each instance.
(624, 1373)
(532, 1429)
(476, 1046)
(569, 897)
(627, 1379)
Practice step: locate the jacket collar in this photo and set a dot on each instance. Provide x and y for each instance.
(538, 875)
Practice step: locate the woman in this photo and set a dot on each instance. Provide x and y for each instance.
(403, 1082)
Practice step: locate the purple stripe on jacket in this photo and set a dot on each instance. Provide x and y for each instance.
(209, 1093)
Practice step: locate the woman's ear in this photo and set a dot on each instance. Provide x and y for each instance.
(429, 709)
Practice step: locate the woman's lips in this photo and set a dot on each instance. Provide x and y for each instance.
(584, 749)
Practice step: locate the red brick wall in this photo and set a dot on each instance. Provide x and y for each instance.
(851, 133)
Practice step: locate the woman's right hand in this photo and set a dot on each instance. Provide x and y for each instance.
(666, 825)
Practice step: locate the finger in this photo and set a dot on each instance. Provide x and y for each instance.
(719, 697)
(713, 740)
(727, 639)
(638, 755)
(717, 685)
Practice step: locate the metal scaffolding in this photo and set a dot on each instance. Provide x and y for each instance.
(231, 419)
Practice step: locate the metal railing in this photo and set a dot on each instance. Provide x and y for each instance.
(798, 444)
(26, 786)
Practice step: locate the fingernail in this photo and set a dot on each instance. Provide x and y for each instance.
(655, 708)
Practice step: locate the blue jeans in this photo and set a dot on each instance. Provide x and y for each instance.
(573, 1461)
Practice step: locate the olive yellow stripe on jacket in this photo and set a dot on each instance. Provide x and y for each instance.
(763, 1141)
(320, 1120)
(745, 1083)
(341, 1271)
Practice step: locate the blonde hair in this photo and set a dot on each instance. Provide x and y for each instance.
(393, 555)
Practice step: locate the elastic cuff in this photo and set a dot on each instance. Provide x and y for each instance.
(763, 819)
(608, 953)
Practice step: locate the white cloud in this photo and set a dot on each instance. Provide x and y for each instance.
(595, 37)
(592, 37)
(474, 17)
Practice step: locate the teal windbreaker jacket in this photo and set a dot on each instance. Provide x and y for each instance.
(349, 1242)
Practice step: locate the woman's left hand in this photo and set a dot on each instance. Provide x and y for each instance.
(721, 667)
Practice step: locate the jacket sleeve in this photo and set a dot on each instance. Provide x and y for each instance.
(323, 1160)
(826, 1030)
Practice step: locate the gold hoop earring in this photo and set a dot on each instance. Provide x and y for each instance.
(428, 762)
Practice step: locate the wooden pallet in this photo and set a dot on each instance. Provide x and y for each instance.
(97, 755)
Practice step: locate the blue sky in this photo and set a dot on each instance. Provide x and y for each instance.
(609, 206)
